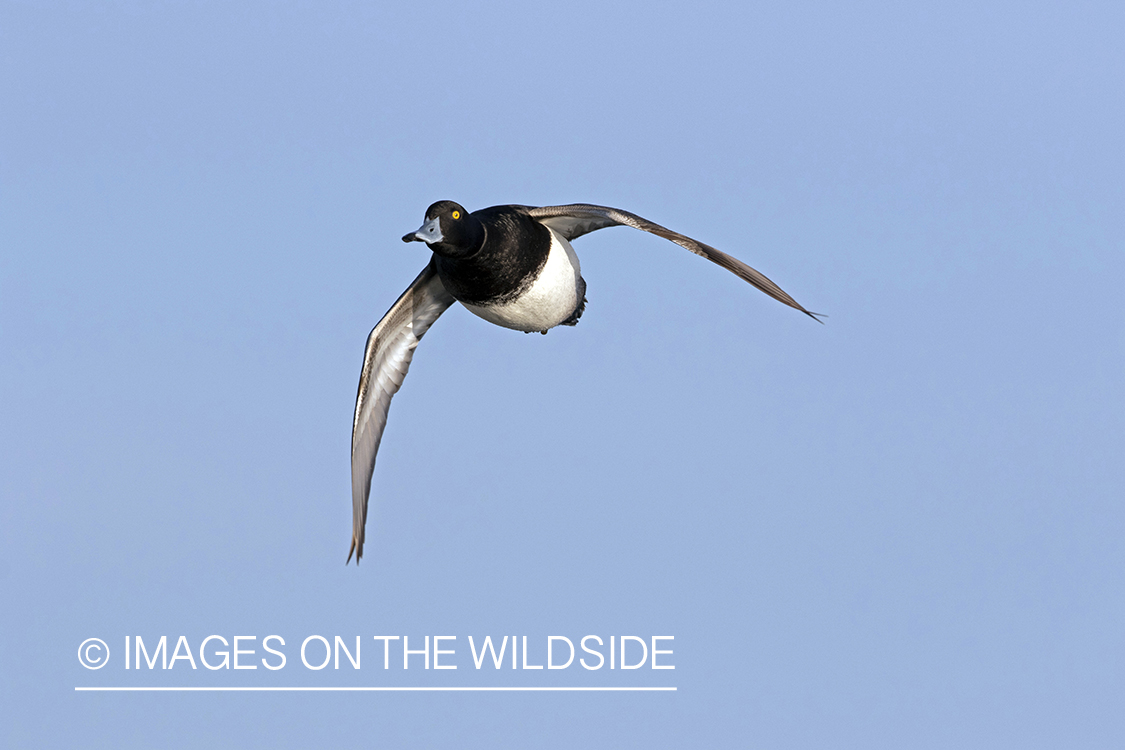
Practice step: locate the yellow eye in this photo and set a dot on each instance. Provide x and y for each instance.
(456, 214)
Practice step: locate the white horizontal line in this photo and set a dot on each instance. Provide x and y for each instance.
(371, 689)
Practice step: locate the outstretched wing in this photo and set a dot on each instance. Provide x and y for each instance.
(578, 219)
(390, 347)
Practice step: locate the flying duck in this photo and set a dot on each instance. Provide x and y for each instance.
(512, 266)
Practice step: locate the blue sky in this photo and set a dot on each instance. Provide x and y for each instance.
(900, 529)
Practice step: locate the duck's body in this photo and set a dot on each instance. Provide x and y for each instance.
(511, 265)
(523, 275)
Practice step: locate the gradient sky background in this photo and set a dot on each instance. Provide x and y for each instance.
(903, 528)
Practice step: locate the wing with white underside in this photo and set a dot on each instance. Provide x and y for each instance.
(578, 219)
(390, 347)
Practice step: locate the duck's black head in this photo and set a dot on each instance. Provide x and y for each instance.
(449, 230)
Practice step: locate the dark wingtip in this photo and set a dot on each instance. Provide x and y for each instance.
(815, 316)
(358, 553)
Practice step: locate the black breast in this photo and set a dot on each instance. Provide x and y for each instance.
(514, 251)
